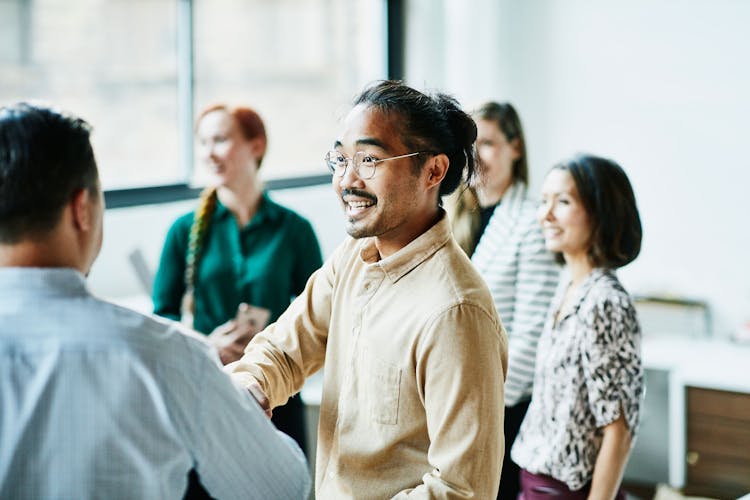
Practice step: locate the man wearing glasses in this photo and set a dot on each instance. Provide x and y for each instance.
(414, 352)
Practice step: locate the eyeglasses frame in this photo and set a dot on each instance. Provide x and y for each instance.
(350, 161)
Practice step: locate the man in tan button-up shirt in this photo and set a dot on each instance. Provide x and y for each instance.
(414, 352)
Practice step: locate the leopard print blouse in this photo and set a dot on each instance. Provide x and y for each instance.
(588, 365)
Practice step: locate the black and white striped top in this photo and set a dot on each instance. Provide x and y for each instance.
(522, 276)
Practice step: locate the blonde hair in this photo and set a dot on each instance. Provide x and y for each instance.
(463, 210)
(463, 206)
(196, 238)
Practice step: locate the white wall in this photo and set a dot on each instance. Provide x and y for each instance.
(662, 87)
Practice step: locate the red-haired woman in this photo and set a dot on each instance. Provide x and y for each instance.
(239, 254)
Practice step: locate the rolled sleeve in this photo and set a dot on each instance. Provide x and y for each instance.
(611, 362)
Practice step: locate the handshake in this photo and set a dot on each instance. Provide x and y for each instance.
(231, 338)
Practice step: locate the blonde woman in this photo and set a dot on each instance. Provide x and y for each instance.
(494, 221)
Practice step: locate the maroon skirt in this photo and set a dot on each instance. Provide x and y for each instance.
(541, 487)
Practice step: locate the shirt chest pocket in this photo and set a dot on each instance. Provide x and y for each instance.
(385, 388)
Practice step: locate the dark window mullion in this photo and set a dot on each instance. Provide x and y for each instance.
(395, 27)
(185, 88)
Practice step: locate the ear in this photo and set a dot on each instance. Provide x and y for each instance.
(81, 211)
(516, 145)
(437, 167)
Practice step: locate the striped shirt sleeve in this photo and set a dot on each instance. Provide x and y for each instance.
(536, 280)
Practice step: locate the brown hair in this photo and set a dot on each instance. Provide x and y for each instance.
(509, 123)
(609, 201)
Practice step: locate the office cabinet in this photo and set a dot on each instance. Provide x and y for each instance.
(718, 443)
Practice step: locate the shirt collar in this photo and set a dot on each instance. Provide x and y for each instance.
(595, 275)
(42, 281)
(267, 210)
(420, 249)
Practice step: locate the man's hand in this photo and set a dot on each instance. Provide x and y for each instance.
(260, 396)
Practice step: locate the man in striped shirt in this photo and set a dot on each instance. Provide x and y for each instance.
(99, 401)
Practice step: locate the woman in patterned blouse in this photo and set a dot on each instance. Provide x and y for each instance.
(588, 382)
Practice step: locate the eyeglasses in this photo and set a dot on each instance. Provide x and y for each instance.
(364, 164)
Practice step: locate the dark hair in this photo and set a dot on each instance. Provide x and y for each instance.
(509, 123)
(248, 121)
(45, 157)
(607, 197)
(433, 123)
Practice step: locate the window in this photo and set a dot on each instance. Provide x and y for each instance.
(113, 63)
(299, 63)
(137, 69)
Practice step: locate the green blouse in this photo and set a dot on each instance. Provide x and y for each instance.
(266, 263)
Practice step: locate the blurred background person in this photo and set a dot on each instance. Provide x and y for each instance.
(575, 440)
(494, 221)
(237, 261)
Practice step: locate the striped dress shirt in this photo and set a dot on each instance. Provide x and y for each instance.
(522, 276)
(98, 401)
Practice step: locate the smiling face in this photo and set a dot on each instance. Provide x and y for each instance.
(565, 222)
(497, 155)
(229, 156)
(397, 204)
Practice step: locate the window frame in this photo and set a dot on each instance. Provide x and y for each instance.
(165, 193)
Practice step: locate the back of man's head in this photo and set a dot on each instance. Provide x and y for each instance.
(45, 158)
